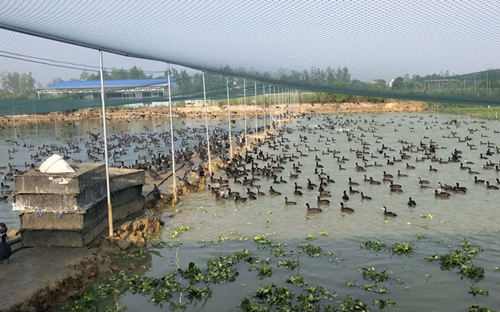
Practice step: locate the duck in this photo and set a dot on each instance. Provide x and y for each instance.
(432, 169)
(491, 187)
(411, 202)
(353, 191)
(313, 210)
(473, 172)
(420, 181)
(351, 182)
(272, 191)
(396, 190)
(345, 208)
(4, 186)
(401, 175)
(388, 213)
(441, 194)
(392, 185)
(478, 181)
(345, 197)
(363, 196)
(297, 192)
(408, 166)
(323, 201)
(288, 202)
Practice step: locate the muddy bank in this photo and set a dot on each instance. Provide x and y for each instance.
(237, 112)
(42, 279)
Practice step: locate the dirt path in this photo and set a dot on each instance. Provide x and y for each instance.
(237, 112)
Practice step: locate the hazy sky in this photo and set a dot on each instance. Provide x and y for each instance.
(374, 39)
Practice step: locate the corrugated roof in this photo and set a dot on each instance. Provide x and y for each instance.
(95, 84)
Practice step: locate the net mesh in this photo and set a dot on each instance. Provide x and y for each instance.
(272, 42)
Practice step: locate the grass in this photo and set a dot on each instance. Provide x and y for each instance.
(475, 111)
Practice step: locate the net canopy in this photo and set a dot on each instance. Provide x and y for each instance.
(294, 44)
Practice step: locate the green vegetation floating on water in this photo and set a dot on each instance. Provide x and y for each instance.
(462, 259)
(194, 283)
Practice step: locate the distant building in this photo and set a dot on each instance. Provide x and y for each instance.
(142, 90)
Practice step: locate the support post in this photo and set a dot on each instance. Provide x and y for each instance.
(108, 189)
(245, 112)
(229, 119)
(256, 110)
(172, 151)
(206, 124)
(264, 101)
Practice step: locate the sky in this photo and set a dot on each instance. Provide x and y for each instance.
(373, 38)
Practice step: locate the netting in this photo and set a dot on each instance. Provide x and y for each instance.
(418, 50)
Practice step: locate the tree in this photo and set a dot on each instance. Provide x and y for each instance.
(398, 83)
(379, 83)
(53, 81)
(18, 84)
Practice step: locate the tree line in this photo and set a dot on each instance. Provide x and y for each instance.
(22, 85)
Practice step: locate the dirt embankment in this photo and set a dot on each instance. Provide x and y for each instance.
(237, 112)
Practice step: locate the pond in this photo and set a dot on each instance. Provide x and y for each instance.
(440, 255)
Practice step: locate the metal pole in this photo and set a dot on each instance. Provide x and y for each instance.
(281, 103)
(229, 119)
(264, 101)
(245, 103)
(271, 109)
(108, 190)
(206, 125)
(174, 176)
(256, 109)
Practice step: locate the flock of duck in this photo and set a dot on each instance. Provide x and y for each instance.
(143, 149)
(304, 168)
(277, 163)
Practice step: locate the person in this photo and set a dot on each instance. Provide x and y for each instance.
(5, 250)
(3, 228)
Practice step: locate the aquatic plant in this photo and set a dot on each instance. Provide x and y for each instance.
(288, 264)
(461, 258)
(372, 274)
(432, 258)
(139, 254)
(324, 233)
(265, 271)
(276, 298)
(311, 250)
(475, 290)
(371, 244)
(383, 303)
(296, 279)
(351, 304)
(472, 272)
(402, 248)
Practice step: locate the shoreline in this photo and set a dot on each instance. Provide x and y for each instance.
(237, 112)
